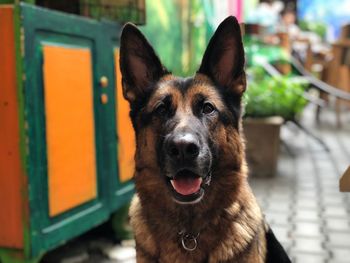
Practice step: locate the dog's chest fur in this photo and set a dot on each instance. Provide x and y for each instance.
(236, 235)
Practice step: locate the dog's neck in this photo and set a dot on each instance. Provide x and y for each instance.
(194, 219)
(239, 222)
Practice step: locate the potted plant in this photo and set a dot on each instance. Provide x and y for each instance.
(269, 102)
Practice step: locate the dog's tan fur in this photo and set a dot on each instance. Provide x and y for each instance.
(237, 235)
(225, 220)
(233, 233)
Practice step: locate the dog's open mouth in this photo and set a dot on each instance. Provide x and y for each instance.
(187, 187)
(186, 183)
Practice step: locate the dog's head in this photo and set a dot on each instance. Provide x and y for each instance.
(187, 129)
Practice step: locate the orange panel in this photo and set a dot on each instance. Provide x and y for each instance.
(11, 173)
(69, 127)
(126, 135)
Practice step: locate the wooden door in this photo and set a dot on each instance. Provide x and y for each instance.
(71, 128)
(121, 185)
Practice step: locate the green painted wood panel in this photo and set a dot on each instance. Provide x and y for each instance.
(40, 26)
(119, 192)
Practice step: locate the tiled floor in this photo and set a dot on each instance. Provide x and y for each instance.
(302, 203)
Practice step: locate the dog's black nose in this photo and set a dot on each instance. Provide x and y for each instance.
(183, 147)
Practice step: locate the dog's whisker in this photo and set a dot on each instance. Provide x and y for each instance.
(208, 178)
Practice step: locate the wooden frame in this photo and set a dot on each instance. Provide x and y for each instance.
(34, 27)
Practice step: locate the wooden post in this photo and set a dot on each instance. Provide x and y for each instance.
(344, 183)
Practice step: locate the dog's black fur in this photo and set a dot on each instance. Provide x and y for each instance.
(190, 162)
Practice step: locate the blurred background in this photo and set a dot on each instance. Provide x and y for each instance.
(61, 103)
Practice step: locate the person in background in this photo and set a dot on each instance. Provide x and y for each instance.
(300, 41)
(287, 23)
(266, 14)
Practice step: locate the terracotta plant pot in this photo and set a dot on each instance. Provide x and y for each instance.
(262, 145)
(344, 183)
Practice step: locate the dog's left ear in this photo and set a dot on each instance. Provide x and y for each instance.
(223, 60)
(139, 64)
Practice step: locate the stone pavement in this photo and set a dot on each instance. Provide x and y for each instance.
(303, 205)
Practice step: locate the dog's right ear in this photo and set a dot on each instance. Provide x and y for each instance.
(139, 64)
(223, 60)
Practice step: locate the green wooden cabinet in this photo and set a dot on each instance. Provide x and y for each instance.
(67, 129)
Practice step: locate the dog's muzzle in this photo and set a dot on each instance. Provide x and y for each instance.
(187, 171)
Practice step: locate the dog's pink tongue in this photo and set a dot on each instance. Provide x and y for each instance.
(186, 185)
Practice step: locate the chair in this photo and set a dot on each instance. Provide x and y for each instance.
(337, 71)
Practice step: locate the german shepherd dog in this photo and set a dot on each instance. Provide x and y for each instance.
(193, 202)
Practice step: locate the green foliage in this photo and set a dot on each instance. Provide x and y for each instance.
(179, 32)
(317, 27)
(112, 10)
(277, 96)
(163, 30)
(256, 51)
(120, 223)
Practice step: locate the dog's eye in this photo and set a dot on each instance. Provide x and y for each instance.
(161, 109)
(208, 108)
